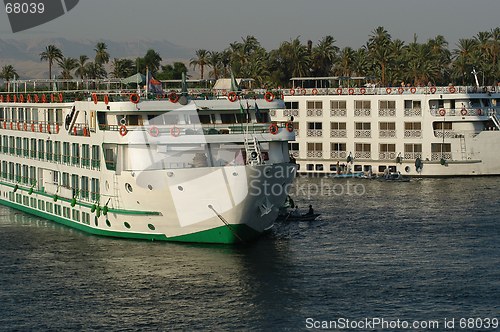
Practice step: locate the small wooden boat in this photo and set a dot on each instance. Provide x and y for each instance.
(302, 217)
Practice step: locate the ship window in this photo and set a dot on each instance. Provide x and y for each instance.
(337, 125)
(293, 146)
(338, 147)
(65, 180)
(318, 167)
(387, 147)
(315, 125)
(362, 104)
(387, 126)
(440, 147)
(294, 105)
(363, 125)
(413, 126)
(310, 167)
(338, 104)
(317, 105)
(443, 125)
(228, 118)
(413, 104)
(205, 118)
(387, 104)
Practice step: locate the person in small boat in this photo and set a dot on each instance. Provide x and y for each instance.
(311, 210)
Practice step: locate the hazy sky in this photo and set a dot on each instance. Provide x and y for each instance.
(213, 24)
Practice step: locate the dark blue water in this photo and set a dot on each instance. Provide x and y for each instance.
(418, 251)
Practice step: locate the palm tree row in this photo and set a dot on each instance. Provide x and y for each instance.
(390, 61)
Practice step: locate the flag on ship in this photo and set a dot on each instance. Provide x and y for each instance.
(154, 86)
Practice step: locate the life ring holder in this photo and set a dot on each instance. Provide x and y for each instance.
(433, 90)
(442, 112)
(452, 89)
(350, 91)
(134, 98)
(339, 91)
(94, 98)
(401, 90)
(289, 127)
(314, 91)
(123, 130)
(175, 131)
(463, 111)
(362, 91)
(413, 89)
(154, 131)
(61, 97)
(269, 97)
(388, 91)
(273, 128)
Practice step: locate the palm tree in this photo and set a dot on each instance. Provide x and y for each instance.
(101, 53)
(7, 73)
(80, 68)
(201, 60)
(323, 56)
(50, 54)
(463, 58)
(214, 61)
(378, 47)
(67, 65)
(152, 60)
(123, 68)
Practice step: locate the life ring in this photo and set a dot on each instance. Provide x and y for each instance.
(123, 130)
(8, 98)
(14, 98)
(18, 125)
(231, 96)
(44, 98)
(303, 91)
(94, 98)
(401, 90)
(289, 127)
(479, 111)
(388, 91)
(314, 91)
(175, 131)
(452, 89)
(36, 99)
(48, 128)
(40, 127)
(153, 131)
(173, 97)
(463, 111)
(433, 90)
(28, 98)
(273, 129)
(75, 132)
(292, 92)
(33, 127)
(268, 96)
(134, 98)
(85, 132)
(52, 97)
(339, 91)
(362, 91)
(106, 99)
(21, 98)
(61, 97)
(25, 126)
(413, 89)
(57, 128)
(442, 112)
(350, 91)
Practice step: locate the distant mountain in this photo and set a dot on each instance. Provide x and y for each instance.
(24, 55)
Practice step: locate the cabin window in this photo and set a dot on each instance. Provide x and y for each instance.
(65, 180)
(314, 105)
(205, 118)
(413, 126)
(315, 125)
(228, 118)
(387, 104)
(337, 125)
(362, 104)
(363, 125)
(338, 104)
(293, 147)
(101, 119)
(443, 125)
(387, 126)
(293, 105)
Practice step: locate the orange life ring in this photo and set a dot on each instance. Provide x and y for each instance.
(14, 98)
(21, 98)
(57, 128)
(442, 112)
(153, 131)
(36, 98)
(314, 91)
(388, 91)
(413, 89)
(401, 90)
(28, 98)
(350, 91)
(268, 96)
(85, 132)
(134, 98)
(18, 125)
(75, 132)
(231, 96)
(303, 91)
(106, 99)
(48, 128)
(40, 127)
(61, 98)
(289, 126)
(362, 91)
(33, 127)
(452, 89)
(433, 90)
(11, 126)
(123, 130)
(292, 92)
(339, 91)
(175, 131)
(52, 97)
(25, 127)
(463, 111)
(173, 97)
(94, 98)
(44, 98)
(479, 111)
(273, 129)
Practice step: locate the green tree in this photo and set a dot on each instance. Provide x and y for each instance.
(51, 54)
(67, 65)
(201, 60)
(80, 67)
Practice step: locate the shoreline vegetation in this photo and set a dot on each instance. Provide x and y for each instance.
(382, 60)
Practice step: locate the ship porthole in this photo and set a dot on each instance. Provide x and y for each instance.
(180, 188)
(151, 227)
(126, 224)
(407, 169)
(170, 174)
(108, 223)
(235, 174)
(128, 187)
(150, 187)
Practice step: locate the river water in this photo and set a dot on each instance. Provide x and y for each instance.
(418, 252)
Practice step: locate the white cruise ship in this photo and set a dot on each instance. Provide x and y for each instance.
(418, 131)
(174, 167)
